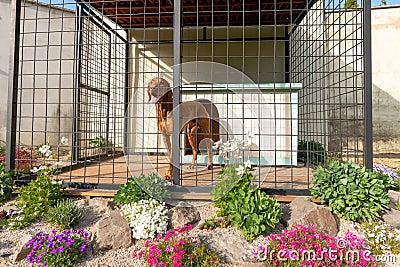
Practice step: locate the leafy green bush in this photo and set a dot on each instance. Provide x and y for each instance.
(142, 187)
(312, 151)
(64, 214)
(6, 184)
(245, 205)
(351, 191)
(35, 199)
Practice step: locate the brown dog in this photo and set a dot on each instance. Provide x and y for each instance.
(199, 121)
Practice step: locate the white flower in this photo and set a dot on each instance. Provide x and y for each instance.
(45, 150)
(248, 164)
(64, 140)
(240, 170)
(146, 218)
(217, 144)
(59, 163)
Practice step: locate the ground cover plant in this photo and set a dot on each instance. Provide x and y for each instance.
(352, 192)
(146, 218)
(176, 248)
(380, 237)
(57, 249)
(64, 214)
(302, 245)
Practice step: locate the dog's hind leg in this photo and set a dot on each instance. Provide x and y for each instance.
(191, 132)
(167, 142)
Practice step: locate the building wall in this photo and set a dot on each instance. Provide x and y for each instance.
(4, 66)
(46, 84)
(386, 78)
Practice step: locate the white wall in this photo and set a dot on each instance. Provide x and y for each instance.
(4, 66)
(386, 78)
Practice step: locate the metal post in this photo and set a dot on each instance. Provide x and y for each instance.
(15, 7)
(176, 92)
(368, 146)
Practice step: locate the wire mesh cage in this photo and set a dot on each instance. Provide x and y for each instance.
(106, 89)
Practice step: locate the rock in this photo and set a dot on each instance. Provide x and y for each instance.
(305, 212)
(392, 217)
(112, 232)
(21, 251)
(394, 197)
(179, 216)
(230, 248)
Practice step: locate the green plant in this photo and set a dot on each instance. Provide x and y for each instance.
(100, 142)
(35, 199)
(142, 187)
(397, 204)
(176, 248)
(208, 224)
(6, 184)
(380, 237)
(57, 249)
(312, 151)
(245, 205)
(64, 214)
(351, 191)
(254, 212)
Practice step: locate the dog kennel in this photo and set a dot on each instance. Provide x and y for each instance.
(294, 75)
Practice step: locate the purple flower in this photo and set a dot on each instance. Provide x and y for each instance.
(83, 248)
(60, 249)
(53, 251)
(386, 170)
(44, 264)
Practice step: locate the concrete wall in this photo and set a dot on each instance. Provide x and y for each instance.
(46, 82)
(386, 78)
(4, 66)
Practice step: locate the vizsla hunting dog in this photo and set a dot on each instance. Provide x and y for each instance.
(198, 121)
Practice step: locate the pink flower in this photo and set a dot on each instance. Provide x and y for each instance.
(169, 249)
(190, 256)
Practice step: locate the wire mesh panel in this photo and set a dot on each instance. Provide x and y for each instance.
(151, 86)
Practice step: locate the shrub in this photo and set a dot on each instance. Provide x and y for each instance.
(142, 187)
(64, 214)
(146, 218)
(380, 237)
(311, 151)
(245, 205)
(351, 191)
(176, 248)
(35, 199)
(57, 249)
(303, 246)
(6, 184)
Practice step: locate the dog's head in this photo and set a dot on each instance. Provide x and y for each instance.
(157, 88)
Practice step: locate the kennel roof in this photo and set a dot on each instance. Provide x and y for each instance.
(160, 13)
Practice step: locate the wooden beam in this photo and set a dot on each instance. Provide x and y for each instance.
(174, 195)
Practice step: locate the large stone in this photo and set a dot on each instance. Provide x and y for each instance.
(21, 250)
(180, 216)
(229, 247)
(305, 212)
(392, 217)
(112, 232)
(394, 197)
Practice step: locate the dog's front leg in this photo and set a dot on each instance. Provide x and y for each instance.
(167, 141)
